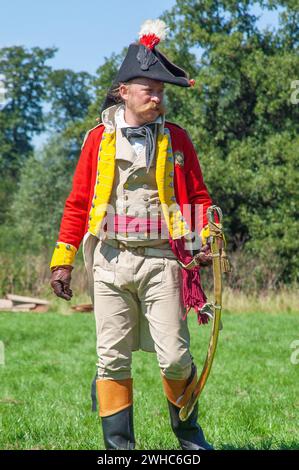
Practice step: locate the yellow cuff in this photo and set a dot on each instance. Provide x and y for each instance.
(64, 254)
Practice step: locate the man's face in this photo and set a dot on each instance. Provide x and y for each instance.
(144, 98)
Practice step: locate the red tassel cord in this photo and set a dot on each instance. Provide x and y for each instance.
(193, 294)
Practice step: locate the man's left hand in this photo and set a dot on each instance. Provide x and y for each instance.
(205, 256)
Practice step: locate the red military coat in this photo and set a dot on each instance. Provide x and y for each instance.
(186, 181)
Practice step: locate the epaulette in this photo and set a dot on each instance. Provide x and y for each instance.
(88, 132)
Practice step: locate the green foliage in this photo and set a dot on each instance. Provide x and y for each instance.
(25, 73)
(105, 76)
(29, 82)
(69, 94)
(240, 116)
(30, 232)
(45, 182)
(244, 124)
(7, 187)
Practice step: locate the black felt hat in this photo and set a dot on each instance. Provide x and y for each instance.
(143, 59)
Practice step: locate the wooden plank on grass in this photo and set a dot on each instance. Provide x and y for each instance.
(17, 309)
(21, 299)
(24, 306)
(5, 304)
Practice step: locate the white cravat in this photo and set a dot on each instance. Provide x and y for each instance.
(137, 143)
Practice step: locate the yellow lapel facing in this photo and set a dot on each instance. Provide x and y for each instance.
(104, 181)
(175, 221)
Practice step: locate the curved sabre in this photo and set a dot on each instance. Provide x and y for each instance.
(217, 239)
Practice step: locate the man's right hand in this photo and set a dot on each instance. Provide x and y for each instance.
(61, 280)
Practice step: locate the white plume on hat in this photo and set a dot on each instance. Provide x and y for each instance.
(155, 28)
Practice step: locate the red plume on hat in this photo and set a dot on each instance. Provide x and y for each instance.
(152, 32)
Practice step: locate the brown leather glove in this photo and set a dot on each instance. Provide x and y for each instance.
(61, 280)
(205, 256)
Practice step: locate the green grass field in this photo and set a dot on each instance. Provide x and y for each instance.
(251, 399)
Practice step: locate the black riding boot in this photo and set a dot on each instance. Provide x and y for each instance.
(118, 430)
(189, 433)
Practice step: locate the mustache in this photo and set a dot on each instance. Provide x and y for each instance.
(152, 107)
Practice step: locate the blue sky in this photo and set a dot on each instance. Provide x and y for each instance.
(84, 31)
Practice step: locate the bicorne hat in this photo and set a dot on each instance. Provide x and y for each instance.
(143, 59)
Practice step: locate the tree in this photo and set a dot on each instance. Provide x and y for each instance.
(240, 115)
(69, 94)
(100, 84)
(243, 122)
(25, 73)
(44, 185)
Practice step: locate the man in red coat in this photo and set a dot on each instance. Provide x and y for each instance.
(138, 198)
